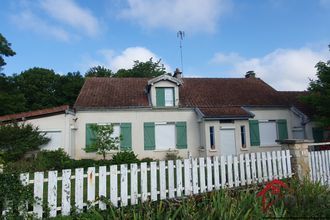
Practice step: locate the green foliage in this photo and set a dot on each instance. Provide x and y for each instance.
(51, 160)
(99, 71)
(172, 156)
(17, 139)
(319, 96)
(124, 157)
(143, 69)
(103, 141)
(14, 196)
(5, 50)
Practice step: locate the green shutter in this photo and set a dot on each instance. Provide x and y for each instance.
(149, 136)
(173, 96)
(282, 129)
(318, 134)
(181, 135)
(126, 136)
(254, 133)
(90, 138)
(160, 97)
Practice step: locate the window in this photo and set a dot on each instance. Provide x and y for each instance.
(122, 130)
(243, 137)
(55, 141)
(165, 135)
(164, 97)
(268, 133)
(212, 145)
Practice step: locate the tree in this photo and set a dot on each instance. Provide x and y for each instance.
(99, 71)
(18, 139)
(319, 94)
(104, 142)
(5, 50)
(143, 69)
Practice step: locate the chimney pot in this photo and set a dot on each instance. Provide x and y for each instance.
(177, 73)
(250, 74)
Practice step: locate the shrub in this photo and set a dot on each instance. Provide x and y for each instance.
(18, 139)
(172, 156)
(124, 157)
(51, 160)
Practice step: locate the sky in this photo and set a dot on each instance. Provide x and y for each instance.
(281, 40)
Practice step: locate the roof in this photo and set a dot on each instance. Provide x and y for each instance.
(293, 98)
(32, 114)
(213, 96)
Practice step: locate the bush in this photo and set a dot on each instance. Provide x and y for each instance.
(18, 139)
(51, 160)
(172, 156)
(124, 157)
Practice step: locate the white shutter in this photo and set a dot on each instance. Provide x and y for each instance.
(268, 133)
(168, 96)
(165, 136)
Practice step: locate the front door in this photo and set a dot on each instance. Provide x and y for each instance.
(227, 141)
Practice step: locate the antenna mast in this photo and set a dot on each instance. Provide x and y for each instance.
(181, 35)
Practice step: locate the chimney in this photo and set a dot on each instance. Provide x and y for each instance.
(250, 74)
(177, 73)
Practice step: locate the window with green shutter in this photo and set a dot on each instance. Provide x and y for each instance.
(90, 138)
(282, 129)
(254, 133)
(126, 136)
(181, 135)
(149, 136)
(318, 134)
(160, 97)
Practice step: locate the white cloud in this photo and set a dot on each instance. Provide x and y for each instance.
(122, 60)
(68, 12)
(230, 58)
(284, 69)
(188, 15)
(27, 20)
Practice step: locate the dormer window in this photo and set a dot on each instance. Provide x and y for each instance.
(165, 96)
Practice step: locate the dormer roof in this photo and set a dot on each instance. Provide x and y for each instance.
(166, 77)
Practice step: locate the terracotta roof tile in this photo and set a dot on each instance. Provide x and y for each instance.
(36, 113)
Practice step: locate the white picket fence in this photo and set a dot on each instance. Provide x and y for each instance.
(319, 163)
(128, 184)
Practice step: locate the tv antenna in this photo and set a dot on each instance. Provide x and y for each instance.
(181, 35)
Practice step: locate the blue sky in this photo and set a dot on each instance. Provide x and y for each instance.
(281, 40)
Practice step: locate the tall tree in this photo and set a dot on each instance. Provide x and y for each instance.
(319, 96)
(5, 50)
(99, 71)
(143, 69)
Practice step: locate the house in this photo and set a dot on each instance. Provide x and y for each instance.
(186, 116)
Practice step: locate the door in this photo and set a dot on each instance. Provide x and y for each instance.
(227, 141)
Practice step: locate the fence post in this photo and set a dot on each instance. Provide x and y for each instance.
(299, 161)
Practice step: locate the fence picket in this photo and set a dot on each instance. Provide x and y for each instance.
(216, 172)
(288, 160)
(248, 169)
(102, 186)
(66, 192)
(195, 175)
(134, 184)
(170, 172)
(230, 170)
(285, 170)
(279, 164)
(259, 170)
(269, 166)
(187, 177)
(242, 169)
(123, 185)
(144, 182)
(327, 157)
(178, 165)
(274, 159)
(253, 168)
(202, 175)
(91, 185)
(162, 179)
(24, 178)
(113, 185)
(264, 166)
(52, 193)
(153, 179)
(324, 172)
(209, 174)
(38, 193)
(79, 189)
(236, 173)
(223, 171)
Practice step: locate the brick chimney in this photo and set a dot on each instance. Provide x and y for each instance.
(250, 74)
(177, 73)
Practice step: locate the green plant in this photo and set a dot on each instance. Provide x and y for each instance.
(172, 156)
(51, 160)
(18, 139)
(14, 196)
(124, 157)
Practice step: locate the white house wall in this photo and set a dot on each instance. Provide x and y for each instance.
(137, 117)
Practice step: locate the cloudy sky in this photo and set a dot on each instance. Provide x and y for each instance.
(281, 40)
